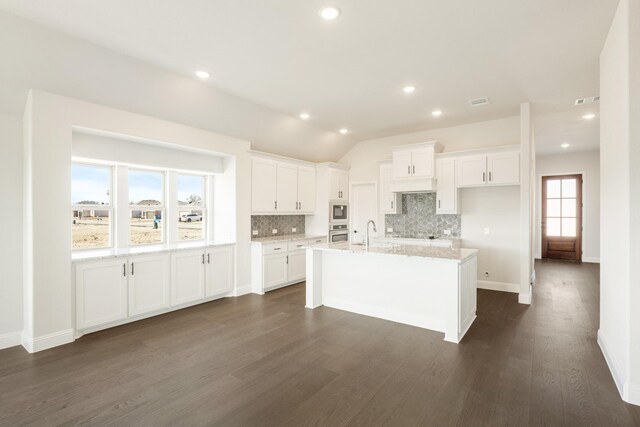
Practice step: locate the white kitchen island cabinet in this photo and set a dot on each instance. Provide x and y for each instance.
(427, 287)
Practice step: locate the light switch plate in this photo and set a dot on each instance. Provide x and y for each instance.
(487, 231)
(447, 232)
(254, 232)
(389, 230)
(293, 229)
(274, 231)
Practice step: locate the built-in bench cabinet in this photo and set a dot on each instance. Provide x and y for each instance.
(279, 264)
(281, 187)
(119, 289)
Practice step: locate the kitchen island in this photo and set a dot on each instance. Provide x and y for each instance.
(429, 287)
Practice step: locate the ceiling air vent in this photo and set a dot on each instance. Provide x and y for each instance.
(589, 100)
(479, 102)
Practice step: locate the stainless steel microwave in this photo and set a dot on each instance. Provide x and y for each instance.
(338, 213)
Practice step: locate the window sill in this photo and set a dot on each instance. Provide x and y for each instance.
(95, 254)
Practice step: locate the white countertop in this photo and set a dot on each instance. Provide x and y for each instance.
(432, 253)
(289, 238)
(95, 254)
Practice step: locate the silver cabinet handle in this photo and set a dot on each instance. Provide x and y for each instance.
(287, 259)
(408, 169)
(124, 269)
(489, 176)
(484, 177)
(300, 205)
(275, 205)
(439, 204)
(202, 258)
(392, 204)
(276, 249)
(414, 169)
(208, 258)
(132, 269)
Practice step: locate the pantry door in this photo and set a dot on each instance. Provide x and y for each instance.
(562, 217)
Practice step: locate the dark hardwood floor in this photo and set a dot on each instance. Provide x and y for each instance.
(268, 361)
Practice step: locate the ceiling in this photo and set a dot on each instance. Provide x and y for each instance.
(350, 72)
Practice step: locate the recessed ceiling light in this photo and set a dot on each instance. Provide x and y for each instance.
(344, 131)
(588, 116)
(304, 116)
(202, 74)
(436, 113)
(329, 13)
(565, 145)
(409, 89)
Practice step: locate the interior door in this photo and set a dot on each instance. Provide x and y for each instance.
(562, 217)
(364, 206)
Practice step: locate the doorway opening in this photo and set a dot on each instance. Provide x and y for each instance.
(562, 217)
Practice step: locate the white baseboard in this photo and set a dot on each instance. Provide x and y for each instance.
(35, 344)
(593, 259)
(613, 367)
(537, 256)
(526, 298)
(242, 290)
(632, 394)
(11, 339)
(498, 286)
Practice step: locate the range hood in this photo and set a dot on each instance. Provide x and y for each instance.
(413, 185)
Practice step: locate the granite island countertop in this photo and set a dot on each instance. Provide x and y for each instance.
(288, 238)
(432, 253)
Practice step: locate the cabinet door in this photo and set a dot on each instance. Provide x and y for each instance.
(274, 270)
(401, 163)
(306, 190)
(263, 186)
(334, 184)
(297, 266)
(503, 168)
(343, 180)
(472, 171)
(388, 201)
(446, 195)
(219, 271)
(422, 162)
(149, 283)
(187, 277)
(101, 292)
(287, 194)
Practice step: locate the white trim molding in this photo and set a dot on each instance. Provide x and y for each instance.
(526, 298)
(499, 286)
(11, 339)
(591, 259)
(35, 344)
(242, 290)
(629, 392)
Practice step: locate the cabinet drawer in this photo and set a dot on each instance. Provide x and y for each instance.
(318, 241)
(297, 245)
(274, 248)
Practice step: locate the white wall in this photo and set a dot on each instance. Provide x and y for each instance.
(49, 121)
(587, 163)
(10, 230)
(619, 333)
(501, 248)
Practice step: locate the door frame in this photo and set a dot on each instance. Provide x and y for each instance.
(351, 203)
(583, 210)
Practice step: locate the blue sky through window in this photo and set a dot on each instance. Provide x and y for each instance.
(90, 184)
(190, 185)
(145, 185)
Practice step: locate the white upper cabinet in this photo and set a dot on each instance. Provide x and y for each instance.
(306, 189)
(414, 161)
(287, 184)
(149, 283)
(280, 187)
(338, 184)
(389, 201)
(447, 191)
(472, 171)
(496, 168)
(504, 168)
(264, 188)
(219, 271)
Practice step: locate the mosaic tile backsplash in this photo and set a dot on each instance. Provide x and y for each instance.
(283, 223)
(418, 218)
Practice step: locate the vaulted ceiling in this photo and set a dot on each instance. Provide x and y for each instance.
(349, 72)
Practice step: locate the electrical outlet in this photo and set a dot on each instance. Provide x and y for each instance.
(274, 231)
(447, 232)
(293, 229)
(389, 230)
(254, 232)
(486, 274)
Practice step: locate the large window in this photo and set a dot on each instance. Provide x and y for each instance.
(146, 206)
(121, 206)
(191, 207)
(91, 207)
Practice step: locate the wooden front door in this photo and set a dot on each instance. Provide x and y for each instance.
(562, 217)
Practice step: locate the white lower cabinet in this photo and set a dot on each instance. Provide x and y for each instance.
(101, 292)
(297, 266)
(187, 276)
(219, 271)
(149, 283)
(117, 290)
(274, 270)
